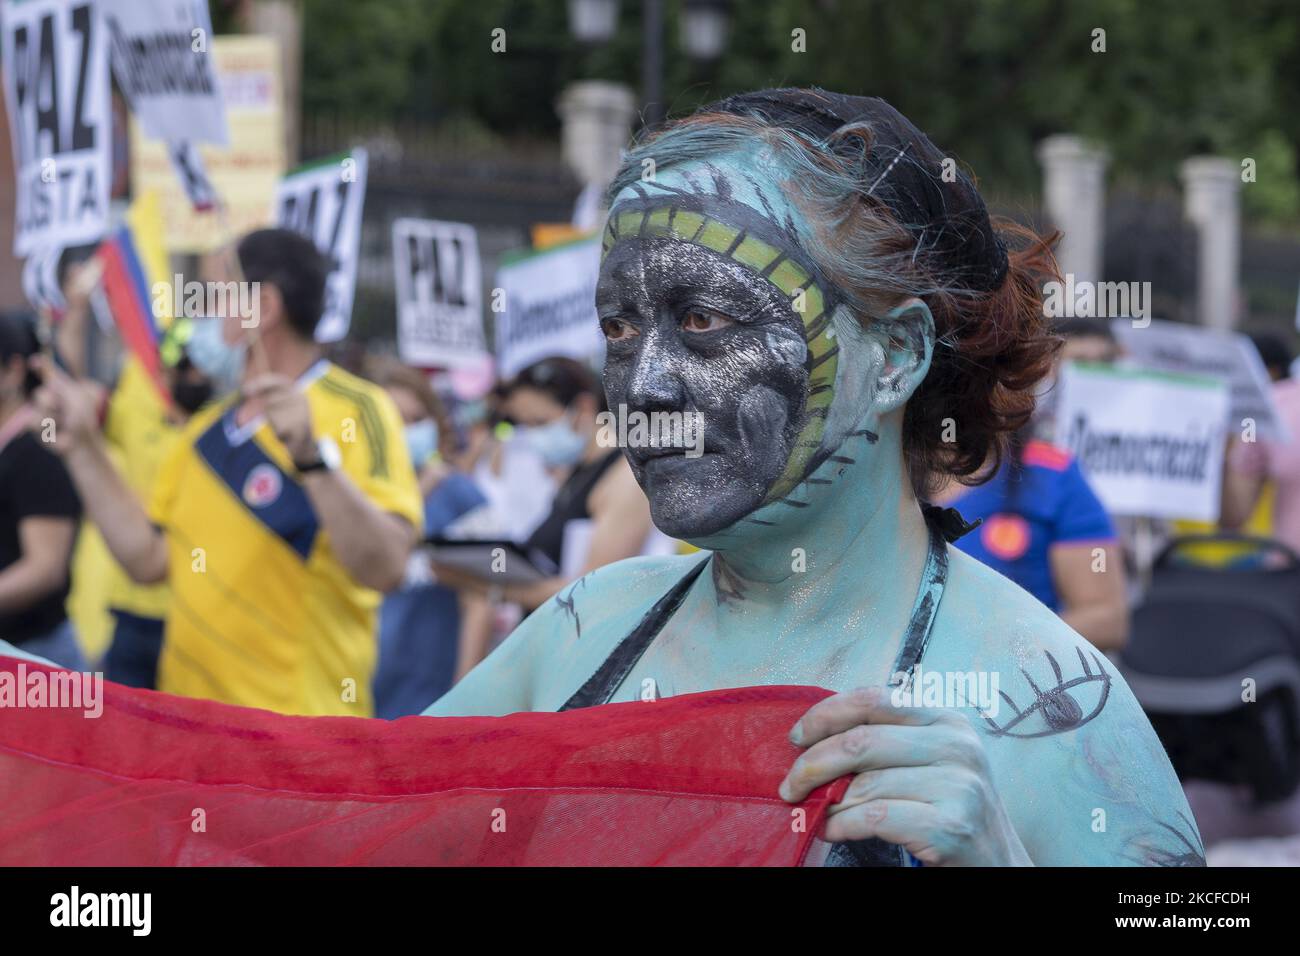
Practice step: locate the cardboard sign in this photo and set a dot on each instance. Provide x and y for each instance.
(439, 293)
(245, 173)
(1151, 443)
(323, 202)
(1196, 350)
(549, 307)
(40, 279)
(55, 62)
(160, 56)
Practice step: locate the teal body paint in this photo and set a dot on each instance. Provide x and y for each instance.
(713, 304)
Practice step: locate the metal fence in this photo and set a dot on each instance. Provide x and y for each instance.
(503, 188)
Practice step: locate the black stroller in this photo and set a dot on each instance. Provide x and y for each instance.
(1214, 660)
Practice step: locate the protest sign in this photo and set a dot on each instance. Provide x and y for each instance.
(1150, 443)
(1196, 350)
(161, 61)
(323, 202)
(244, 173)
(548, 306)
(40, 279)
(55, 62)
(439, 293)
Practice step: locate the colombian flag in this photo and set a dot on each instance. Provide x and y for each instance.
(134, 258)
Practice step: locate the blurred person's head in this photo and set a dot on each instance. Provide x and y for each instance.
(802, 277)
(1274, 353)
(70, 260)
(275, 295)
(554, 404)
(1087, 340)
(18, 343)
(424, 417)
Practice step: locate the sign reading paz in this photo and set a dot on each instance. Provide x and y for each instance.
(323, 202)
(55, 61)
(1150, 443)
(439, 318)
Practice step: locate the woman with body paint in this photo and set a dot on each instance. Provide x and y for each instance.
(809, 276)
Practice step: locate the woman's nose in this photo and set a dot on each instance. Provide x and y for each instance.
(654, 383)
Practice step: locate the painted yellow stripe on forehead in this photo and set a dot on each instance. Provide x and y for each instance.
(787, 275)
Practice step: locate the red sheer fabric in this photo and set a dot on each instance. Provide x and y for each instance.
(162, 780)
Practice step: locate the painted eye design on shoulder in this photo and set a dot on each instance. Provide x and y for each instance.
(704, 320)
(1068, 705)
(618, 330)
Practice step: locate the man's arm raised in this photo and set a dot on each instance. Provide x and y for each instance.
(71, 408)
(370, 543)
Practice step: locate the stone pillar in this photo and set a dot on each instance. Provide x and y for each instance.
(597, 123)
(1212, 203)
(282, 19)
(1074, 192)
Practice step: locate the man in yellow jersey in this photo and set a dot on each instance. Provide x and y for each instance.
(281, 512)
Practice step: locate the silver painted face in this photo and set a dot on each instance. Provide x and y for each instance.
(690, 330)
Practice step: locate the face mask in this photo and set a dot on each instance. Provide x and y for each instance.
(422, 440)
(191, 396)
(222, 363)
(557, 443)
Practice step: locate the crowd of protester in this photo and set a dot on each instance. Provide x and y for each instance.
(262, 507)
(278, 526)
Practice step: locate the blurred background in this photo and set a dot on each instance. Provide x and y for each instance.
(1158, 136)
(457, 131)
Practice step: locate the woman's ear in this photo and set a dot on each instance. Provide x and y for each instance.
(906, 334)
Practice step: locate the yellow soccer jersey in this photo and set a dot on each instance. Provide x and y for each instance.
(262, 613)
(140, 435)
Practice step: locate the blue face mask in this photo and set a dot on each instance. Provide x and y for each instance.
(222, 363)
(557, 443)
(422, 440)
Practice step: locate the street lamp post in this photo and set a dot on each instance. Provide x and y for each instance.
(652, 62)
(704, 27)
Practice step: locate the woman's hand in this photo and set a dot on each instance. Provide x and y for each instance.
(921, 781)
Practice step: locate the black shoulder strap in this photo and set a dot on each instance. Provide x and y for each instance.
(940, 523)
(934, 577)
(601, 686)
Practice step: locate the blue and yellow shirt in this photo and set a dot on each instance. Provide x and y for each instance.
(262, 613)
(1027, 511)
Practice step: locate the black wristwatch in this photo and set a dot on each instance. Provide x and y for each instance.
(327, 457)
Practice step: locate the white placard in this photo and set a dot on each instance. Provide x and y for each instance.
(55, 62)
(1151, 443)
(439, 293)
(549, 307)
(41, 279)
(1196, 350)
(159, 51)
(323, 201)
